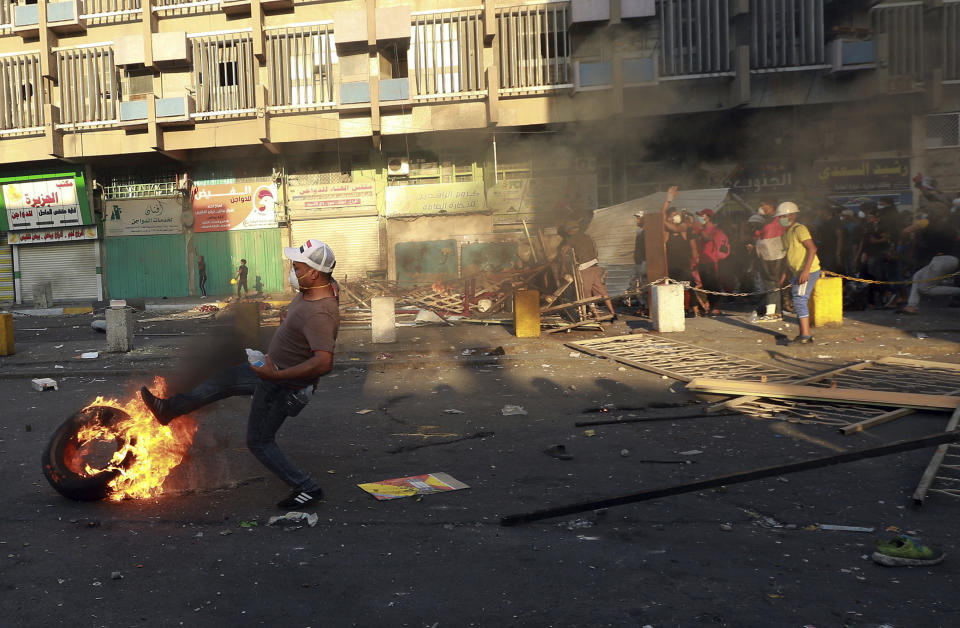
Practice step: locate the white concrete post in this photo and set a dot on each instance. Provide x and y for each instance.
(119, 329)
(666, 308)
(383, 319)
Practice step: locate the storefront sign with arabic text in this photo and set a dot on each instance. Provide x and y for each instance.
(439, 198)
(143, 216)
(38, 204)
(46, 236)
(226, 207)
(864, 175)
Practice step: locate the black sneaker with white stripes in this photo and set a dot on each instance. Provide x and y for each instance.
(299, 499)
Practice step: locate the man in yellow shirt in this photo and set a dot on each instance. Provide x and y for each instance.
(803, 266)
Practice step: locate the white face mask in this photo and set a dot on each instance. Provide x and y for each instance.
(785, 221)
(676, 218)
(295, 279)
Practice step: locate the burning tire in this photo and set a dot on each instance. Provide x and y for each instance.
(65, 456)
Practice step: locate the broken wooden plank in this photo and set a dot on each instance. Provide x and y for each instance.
(735, 478)
(849, 395)
(731, 404)
(925, 364)
(585, 322)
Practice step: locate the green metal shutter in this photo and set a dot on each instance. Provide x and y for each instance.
(6, 270)
(147, 266)
(223, 250)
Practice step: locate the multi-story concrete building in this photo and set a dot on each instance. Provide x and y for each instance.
(418, 136)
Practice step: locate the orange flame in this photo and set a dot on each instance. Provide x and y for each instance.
(148, 451)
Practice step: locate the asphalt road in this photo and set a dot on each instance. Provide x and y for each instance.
(739, 556)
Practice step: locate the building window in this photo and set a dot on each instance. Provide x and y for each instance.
(534, 46)
(429, 168)
(223, 73)
(786, 34)
(447, 52)
(695, 37)
(393, 61)
(943, 130)
(89, 85)
(300, 66)
(145, 183)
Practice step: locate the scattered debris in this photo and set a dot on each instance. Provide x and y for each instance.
(558, 451)
(828, 526)
(481, 434)
(577, 524)
(589, 432)
(90, 355)
(453, 411)
(397, 488)
(512, 410)
(116, 575)
(293, 518)
(99, 325)
(364, 411)
(43, 383)
(624, 453)
(690, 452)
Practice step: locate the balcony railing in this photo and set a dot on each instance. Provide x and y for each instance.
(110, 11)
(89, 85)
(21, 105)
(447, 53)
(6, 13)
(786, 34)
(951, 40)
(902, 23)
(224, 73)
(534, 46)
(300, 66)
(695, 37)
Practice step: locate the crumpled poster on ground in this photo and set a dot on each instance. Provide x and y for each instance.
(396, 488)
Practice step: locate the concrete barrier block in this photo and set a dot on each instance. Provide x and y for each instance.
(6, 334)
(384, 323)
(526, 313)
(43, 295)
(666, 308)
(119, 329)
(826, 303)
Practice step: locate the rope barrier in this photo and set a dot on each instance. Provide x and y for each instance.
(686, 285)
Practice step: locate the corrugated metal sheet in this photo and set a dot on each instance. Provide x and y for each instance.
(147, 266)
(70, 266)
(613, 228)
(355, 242)
(6, 270)
(223, 250)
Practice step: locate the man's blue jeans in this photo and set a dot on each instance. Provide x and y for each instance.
(268, 411)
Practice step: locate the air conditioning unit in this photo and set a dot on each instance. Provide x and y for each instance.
(847, 56)
(398, 166)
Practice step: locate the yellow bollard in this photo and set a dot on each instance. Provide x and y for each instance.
(526, 313)
(826, 305)
(6, 334)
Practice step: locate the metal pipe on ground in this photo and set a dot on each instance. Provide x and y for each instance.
(735, 478)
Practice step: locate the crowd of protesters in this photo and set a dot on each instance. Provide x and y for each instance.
(784, 245)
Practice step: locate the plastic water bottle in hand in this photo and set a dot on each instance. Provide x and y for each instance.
(256, 358)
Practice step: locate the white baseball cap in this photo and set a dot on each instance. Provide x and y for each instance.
(786, 208)
(314, 253)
